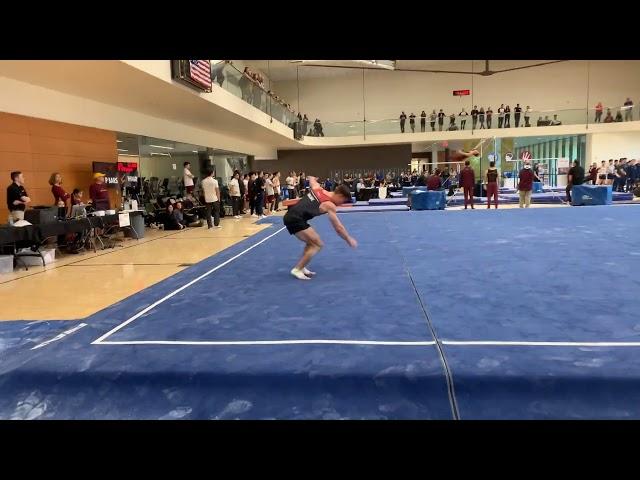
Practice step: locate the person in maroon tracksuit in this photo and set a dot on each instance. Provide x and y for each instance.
(468, 181)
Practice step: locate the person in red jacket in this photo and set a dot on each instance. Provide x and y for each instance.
(433, 181)
(468, 182)
(525, 185)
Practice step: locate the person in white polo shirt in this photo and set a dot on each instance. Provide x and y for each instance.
(187, 178)
(211, 192)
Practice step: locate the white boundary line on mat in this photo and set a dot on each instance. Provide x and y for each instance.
(269, 342)
(175, 292)
(60, 336)
(498, 343)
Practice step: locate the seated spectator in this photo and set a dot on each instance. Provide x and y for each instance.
(185, 218)
(76, 197)
(609, 117)
(540, 122)
(555, 121)
(618, 117)
(171, 221)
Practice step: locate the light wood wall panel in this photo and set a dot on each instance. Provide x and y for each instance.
(39, 147)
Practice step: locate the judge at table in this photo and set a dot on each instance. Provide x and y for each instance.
(99, 193)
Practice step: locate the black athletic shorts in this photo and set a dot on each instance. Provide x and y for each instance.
(295, 224)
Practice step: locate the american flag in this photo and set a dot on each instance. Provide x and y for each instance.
(200, 72)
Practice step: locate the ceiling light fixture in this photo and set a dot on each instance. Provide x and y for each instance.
(160, 146)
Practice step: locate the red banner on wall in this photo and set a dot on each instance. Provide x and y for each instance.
(461, 93)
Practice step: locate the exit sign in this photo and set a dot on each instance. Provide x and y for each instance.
(461, 93)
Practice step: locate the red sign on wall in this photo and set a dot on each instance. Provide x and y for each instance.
(461, 93)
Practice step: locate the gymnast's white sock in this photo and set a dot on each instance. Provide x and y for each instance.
(307, 272)
(299, 274)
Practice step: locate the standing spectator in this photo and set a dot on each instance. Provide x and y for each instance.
(489, 115)
(318, 128)
(259, 187)
(60, 197)
(628, 110)
(303, 183)
(611, 171)
(412, 122)
(17, 197)
(621, 176)
(516, 114)
(242, 184)
(609, 117)
(575, 177)
(481, 117)
(527, 116)
(403, 118)
(235, 194)
(525, 185)
(468, 182)
(246, 85)
(98, 193)
(270, 192)
(501, 115)
(259, 92)
(276, 189)
(602, 173)
(441, 116)
(252, 194)
(217, 72)
(187, 178)
(298, 126)
(291, 185)
(246, 182)
(463, 118)
(432, 120)
(423, 121)
(474, 117)
(632, 175)
(599, 109)
(211, 192)
(305, 124)
(507, 117)
(492, 184)
(593, 173)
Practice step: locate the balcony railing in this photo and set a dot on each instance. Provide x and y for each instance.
(229, 77)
